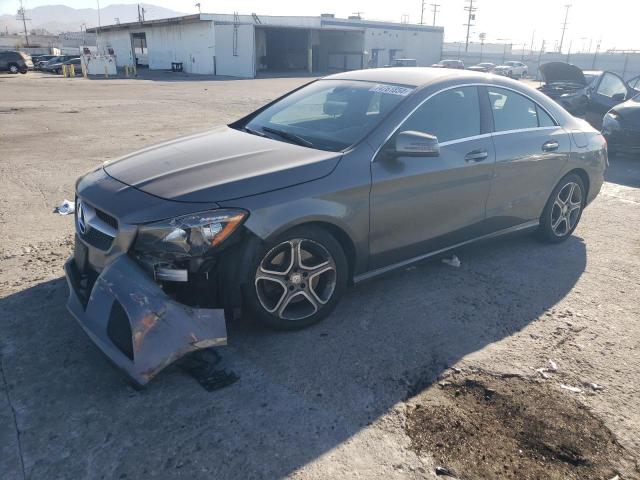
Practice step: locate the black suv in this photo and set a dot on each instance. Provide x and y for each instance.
(15, 62)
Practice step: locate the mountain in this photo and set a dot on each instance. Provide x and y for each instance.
(60, 18)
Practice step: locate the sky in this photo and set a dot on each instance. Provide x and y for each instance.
(614, 22)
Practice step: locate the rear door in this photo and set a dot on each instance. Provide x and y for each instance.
(421, 204)
(531, 150)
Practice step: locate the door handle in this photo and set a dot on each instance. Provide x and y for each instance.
(476, 156)
(550, 146)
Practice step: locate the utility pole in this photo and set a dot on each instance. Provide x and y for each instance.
(533, 36)
(595, 55)
(198, 5)
(422, 13)
(472, 16)
(434, 9)
(21, 16)
(564, 27)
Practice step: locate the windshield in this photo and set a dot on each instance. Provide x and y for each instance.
(328, 114)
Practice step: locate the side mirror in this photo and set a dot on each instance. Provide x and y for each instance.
(618, 97)
(416, 144)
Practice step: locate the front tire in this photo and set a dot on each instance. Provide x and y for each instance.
(563, 210)
(296, 280)
(13, 68)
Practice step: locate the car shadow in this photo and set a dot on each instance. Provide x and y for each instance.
(300, 394)
(624, 169)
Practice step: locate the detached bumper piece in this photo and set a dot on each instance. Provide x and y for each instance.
(135, 324)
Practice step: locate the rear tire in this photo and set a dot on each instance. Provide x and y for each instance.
(563, 210)
(295, 280)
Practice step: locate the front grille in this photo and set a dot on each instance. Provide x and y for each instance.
(97, 239)
(100, 228)
(108, 219)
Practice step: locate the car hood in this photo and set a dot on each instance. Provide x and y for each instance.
(561, 72)
(630, 111)
(220, 164)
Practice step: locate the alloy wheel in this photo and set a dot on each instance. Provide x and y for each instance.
(295, 279)
(566, 209)
(13, 69)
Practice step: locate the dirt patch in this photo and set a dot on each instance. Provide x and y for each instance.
(479, 426)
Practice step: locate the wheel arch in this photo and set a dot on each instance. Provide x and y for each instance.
(339, 232)
(584, 176)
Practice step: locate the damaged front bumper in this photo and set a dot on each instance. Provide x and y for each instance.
(133, 321)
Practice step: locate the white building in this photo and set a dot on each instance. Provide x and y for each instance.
(245, 45)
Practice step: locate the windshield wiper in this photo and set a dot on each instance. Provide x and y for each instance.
(289, 136)
(254, 132)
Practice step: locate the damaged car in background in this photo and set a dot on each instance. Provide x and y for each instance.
(589, 94)
(341, 180)
(621, 127)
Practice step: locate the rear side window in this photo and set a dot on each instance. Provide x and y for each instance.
(512, 111)
(544, 120)
(450, 115)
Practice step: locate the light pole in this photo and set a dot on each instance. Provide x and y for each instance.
(482, 37)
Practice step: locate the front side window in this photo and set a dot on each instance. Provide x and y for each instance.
(329, 114)
(450, 115)
(512, 111)
(611, 85)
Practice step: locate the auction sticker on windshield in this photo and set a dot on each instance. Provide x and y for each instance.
(392, 89)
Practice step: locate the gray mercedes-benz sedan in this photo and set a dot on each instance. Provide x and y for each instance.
(345, 178)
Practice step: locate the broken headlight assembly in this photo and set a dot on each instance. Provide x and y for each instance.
(193, 235)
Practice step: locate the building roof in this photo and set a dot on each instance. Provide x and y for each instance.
(161, 21)
(292, 21)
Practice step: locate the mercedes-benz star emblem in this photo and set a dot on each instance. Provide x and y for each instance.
(82, 226)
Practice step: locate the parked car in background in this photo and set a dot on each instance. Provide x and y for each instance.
(635, 83)
(589, 94)
(456, 64)
(58, 59)
(15, 62)
(403, 62)
(512, 69)
(485, 67)
(621, 126)
(344, 179)
(39, 59)
(57, 67)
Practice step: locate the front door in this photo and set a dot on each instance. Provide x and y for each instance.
(422, 204)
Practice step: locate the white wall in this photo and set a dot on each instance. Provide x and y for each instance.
(242, 64)
(120, 41)
(424, 46)
(193, 44)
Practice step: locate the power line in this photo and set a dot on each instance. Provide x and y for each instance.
(21, 16)
(564, 27)
(434, 9)
(472, 16)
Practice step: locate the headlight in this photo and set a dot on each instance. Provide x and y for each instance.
(189, 235)
(613, 115)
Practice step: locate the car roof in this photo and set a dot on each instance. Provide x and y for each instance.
(413, 76)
